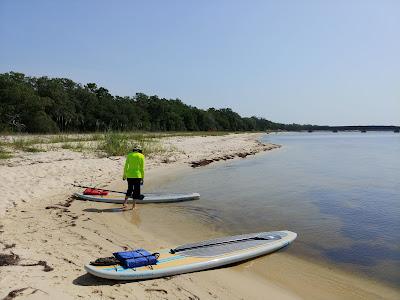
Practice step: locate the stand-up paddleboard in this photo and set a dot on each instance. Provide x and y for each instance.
(200, 256)
(148, 198)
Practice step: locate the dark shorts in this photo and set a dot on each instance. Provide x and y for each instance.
(133, 188)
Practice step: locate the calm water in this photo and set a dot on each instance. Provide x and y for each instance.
(339, 191)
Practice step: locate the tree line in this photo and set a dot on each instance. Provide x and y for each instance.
(50, 105)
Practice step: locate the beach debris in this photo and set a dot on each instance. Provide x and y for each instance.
(191, 295)
(9, 246)
(19, 292)
(67, 203)
(69, 261)
(200, 163)
(57, 207)
(46, 267)
(157, 290)
(9, 259)
(14, 293)
(204, 162)
(13, 259)
(262, 147)
(98, 292)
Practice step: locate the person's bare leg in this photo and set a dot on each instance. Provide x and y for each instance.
(124, 205)
(133, 204)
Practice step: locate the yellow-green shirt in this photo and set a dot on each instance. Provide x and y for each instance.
(134, 165)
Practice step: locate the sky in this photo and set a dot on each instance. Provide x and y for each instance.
(308, 62)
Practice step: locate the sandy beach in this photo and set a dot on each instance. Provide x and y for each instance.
(46, 236)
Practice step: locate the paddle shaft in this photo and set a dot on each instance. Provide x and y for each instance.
(172, 251)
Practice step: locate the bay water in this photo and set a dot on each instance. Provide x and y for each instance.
(339, 191)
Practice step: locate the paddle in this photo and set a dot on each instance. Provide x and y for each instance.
(95, 188)
(90, 187)
(191, 247)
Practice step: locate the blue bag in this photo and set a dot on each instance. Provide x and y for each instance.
(136, 258)
(140, 262)
(131, 254)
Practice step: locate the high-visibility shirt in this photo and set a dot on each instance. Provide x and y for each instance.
(134, 165)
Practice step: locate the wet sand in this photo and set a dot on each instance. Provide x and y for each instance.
(41, 227)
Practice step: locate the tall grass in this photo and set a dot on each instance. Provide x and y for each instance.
(76, 146)
(114, 144)
(4, 154)
(26, 145)
(110, 143)
(65, 138)
(118, 144)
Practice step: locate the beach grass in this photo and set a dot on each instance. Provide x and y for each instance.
(67, 138)
(114, 144)
(118, 144)
(26, 145)
(109, 143)
(75, 146)
(4, 154)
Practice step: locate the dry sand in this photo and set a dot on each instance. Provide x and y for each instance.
(40, 225)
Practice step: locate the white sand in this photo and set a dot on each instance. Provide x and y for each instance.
(67, 237)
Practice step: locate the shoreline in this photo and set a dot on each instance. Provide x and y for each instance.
(44, 226)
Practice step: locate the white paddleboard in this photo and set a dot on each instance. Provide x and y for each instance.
(148, 198)
(200, 256)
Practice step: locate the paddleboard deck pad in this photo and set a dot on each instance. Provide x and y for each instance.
(200, 256)
(148, 198)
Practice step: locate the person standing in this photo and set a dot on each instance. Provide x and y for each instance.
(134, 174)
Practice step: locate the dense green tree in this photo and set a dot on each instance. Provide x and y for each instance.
(42, 104)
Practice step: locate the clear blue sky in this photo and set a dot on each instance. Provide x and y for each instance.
(321, 62)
